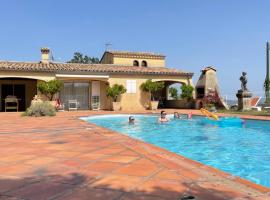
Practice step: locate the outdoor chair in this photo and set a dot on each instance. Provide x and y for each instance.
(11, 103)
(254, 103)
(73, 105)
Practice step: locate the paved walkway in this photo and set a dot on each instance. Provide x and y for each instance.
(63, 158)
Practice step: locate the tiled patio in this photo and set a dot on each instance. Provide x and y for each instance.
(63, 158)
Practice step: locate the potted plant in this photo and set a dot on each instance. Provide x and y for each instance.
(49, 89)
(211, 100)
(187, 95)
(114, 92)
(152, 87)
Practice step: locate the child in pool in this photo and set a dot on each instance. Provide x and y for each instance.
(163, 117)
(131, 120)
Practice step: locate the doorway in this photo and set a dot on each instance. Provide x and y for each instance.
(16, 90)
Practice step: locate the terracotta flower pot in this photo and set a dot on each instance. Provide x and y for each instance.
(154, 105)
(116, 106)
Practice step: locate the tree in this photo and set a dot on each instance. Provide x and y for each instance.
(267, 89)
(173, 92)
(187, 92)
(152, 87)
(115, 91)
(80, 58)
(50, 88)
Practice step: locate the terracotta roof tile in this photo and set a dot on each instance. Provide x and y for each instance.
(93, 68)
(136, 54)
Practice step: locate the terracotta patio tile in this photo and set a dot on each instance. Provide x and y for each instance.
(41, 161)
(69, 178)
(190, 174)
(88, 157)
(134, 196)
(164, 189)
(117, 182)
(41, 138)
(120, 158)
(16, 158)
(3, 197)
(142, 167)
(65, 154)
(169, 175)
(128, 152)
(102, 166)
(109, 150)
(216, 191)
(86, 193)
(42, 190)
(11, 183)
(16, 170)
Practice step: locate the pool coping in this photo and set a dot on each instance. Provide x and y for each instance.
(228, 176)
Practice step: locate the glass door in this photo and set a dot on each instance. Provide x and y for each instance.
(75, 91)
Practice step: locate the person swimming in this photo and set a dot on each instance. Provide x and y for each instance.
(163, 117)
(131, 120)
(176, 115)
(189, 116)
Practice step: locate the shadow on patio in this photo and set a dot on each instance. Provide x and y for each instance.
(83, 187)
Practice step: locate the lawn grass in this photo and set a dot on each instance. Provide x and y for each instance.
(251, 112)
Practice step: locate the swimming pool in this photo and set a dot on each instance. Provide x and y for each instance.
(240, 148)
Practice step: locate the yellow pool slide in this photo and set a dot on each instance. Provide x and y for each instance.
(209, 114)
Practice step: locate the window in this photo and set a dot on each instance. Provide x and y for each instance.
(78, 91)
(135, 63)
(131, 86)
(144, 63)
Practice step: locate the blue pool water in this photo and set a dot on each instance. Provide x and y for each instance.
(240, 148)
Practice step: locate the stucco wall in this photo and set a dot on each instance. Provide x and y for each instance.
(129, 62)
(104, 101)
(140, 100)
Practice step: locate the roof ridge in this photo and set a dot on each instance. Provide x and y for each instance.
(135, 52)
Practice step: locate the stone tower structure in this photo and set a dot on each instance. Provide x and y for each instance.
(208, 82)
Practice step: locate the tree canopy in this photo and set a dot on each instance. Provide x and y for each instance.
(80, 58)
(187, 92)
(151, 87)
(173, 92)
(50, 88)
(115, 91)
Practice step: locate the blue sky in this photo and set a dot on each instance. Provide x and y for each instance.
(228, 34)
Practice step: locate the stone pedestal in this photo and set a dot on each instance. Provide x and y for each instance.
(244, 100)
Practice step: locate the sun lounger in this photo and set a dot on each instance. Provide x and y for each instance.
(254, 103)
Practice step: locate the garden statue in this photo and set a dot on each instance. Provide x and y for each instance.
(243, 80)
(243, 95)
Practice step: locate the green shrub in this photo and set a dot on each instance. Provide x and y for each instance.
(50, 88)
(40, 109)
(173, 92)
(152, 87)
(187, 92)
(115, 91)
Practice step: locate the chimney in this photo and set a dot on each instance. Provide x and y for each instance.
(45, 55)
